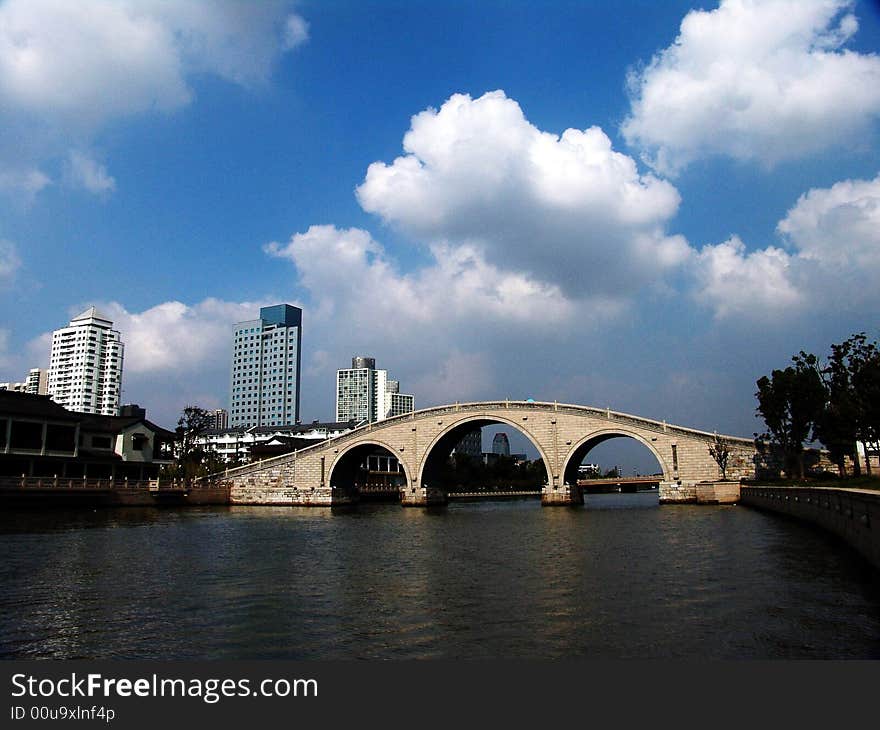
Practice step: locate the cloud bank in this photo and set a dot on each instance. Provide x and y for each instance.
(68, 69)
(764, 81)
(832, 254)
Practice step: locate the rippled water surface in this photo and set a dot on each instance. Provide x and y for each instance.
(619, 578)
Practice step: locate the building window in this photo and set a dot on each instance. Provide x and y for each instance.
(139, 441)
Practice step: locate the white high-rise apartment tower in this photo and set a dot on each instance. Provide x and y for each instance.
(85, 365)
(364, 393)
(264, 387)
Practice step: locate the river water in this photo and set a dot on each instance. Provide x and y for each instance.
(620, 578)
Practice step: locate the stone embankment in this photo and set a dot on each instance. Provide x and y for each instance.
(852, 514)
(720, 492)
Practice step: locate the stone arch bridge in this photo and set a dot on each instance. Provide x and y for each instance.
(562, 435)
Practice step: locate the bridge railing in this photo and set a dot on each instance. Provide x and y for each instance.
(73, 483)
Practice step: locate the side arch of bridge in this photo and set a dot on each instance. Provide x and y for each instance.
(344, 452)
(598, 437)
(557, 431)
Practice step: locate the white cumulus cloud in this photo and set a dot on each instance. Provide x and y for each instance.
(85, 172)
(175, 354)
(67, 69)
(832, 238)
(443, 328)
(565, 209)
(839, 226)
(23, 183)
(9, 261)
(758, 284)
(766, 80)
(174, 337)
(352, 281)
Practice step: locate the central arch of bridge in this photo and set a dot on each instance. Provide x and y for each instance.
(439, 450)
(589, 442)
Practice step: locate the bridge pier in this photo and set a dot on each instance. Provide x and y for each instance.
(339, 496)
(677, 492)
(566, 495)
(416, 496)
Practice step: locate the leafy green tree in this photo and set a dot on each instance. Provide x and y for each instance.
(192, 459)
(865, 376)
(837, 426)
(790, 401)
(850, 412)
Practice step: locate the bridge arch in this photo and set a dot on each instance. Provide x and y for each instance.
(448, 437)
(581, 448)
(346, 462)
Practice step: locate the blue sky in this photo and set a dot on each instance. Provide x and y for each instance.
(403, 172)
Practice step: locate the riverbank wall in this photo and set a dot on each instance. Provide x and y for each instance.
(851, 514)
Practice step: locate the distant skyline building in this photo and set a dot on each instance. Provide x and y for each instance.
(219, 419)
(85, 365)
(36, 383)
(366, 394)
(265, 377)
(471, 444)
(500, 444)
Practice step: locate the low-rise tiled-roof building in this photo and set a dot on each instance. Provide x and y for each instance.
(261, 442)
(40, 438)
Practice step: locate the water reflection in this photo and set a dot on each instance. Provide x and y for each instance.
(620, 578)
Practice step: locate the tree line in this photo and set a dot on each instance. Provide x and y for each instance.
(835, 402)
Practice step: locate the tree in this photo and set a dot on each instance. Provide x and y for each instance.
(192, 459)
(837, 426)
(865, 376)
(850, 413)
(790, 401)
(720, 451)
